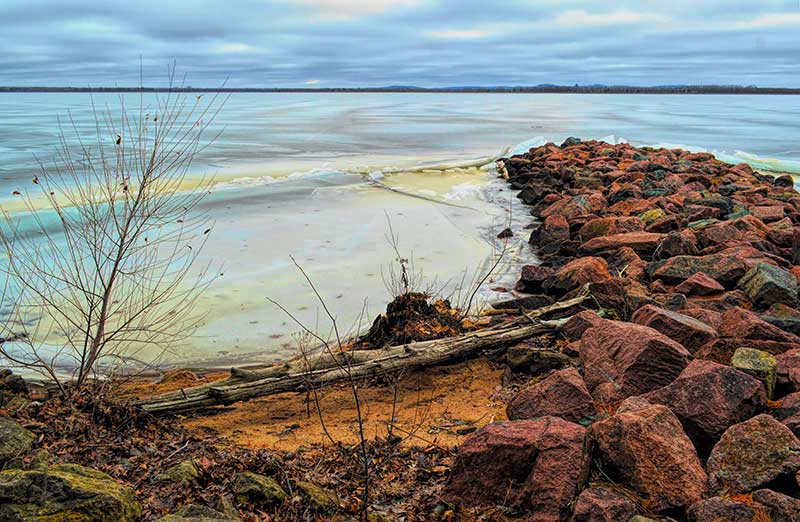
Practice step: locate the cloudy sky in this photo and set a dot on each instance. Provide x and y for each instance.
(328, 43)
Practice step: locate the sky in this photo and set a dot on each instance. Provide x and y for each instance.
(427, 43)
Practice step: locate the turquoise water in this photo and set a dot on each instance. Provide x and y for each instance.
(306, 175)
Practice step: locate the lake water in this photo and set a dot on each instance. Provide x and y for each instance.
(317, 177)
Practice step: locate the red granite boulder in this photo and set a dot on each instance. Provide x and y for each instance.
(577, 273)
(580, 322)
(690, 332)
(683, 243)
(643, 243)
(725, 509)
(532, 277)
(699, 284)
(561, 394)
(537, 465)
(789, 412)
(646, 447)
(752, 454)
(602, 504)
(726, 266)
(606, 226)
(708, 398)
(634, 359)
(744, 229)
(744, 324)
(789, 370)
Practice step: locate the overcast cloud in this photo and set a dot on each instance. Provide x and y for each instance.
(430, 43)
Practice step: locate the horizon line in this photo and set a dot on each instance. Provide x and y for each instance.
(540, 88)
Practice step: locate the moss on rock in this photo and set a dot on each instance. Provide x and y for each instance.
(14, 440)
(255, 487)
(65, 493)
(759, 364)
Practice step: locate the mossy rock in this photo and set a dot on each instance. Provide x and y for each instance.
(652, 215)
(184, 472)
(197, 513)
(318, 498)
(759, 364)
(14, 439)
(254, 487)
(65, 493)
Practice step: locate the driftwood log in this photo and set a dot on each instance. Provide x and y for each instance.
(330, 366)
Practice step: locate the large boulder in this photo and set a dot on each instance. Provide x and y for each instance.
(708, 398)
(789, 413)
(561, 394)
(645, 445)
(784, 317)
(789, 370)
(752, 454)
(531, 278)
(690, 332)
(699, 284)
(759, 364)
(631, 358)
(743, 324)
(577, 273)
(610, 225)
(536, 465)
(15, 440)
(580, 322)
(743, 229)
(725, 267)
(763, 505)
(65, 492)
(602, 504)
(643, 243)
(768, 285)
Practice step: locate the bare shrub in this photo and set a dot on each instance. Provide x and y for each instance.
(101, 265)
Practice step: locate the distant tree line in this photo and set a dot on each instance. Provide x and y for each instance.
(588, 89)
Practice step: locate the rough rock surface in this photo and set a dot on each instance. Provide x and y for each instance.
(602, 504)
(577, 273)
(760, 365)
(14, 440)
(767, 285)
(634, 359)
(743, 324)
(644, 444)
(561, 394)
(534, 359)
(530, 464)
(65, 492)
(699, 284)
(257, 488)
(708, 398)
(689, 332)
(197, 513)
(752, 454)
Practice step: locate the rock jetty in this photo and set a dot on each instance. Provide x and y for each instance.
(677, 393)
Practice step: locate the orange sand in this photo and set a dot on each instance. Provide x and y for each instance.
(434, 406)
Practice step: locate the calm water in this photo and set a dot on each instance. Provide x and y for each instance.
(296, 175)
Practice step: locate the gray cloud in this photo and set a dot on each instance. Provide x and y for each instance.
(410, 42)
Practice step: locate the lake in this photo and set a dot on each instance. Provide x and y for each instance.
(320, 176)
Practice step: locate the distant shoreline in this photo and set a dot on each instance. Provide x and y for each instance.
(687, 89)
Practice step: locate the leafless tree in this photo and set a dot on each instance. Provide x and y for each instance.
(101, 264)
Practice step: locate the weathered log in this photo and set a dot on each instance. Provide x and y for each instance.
(376, 362)
(320, 358)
